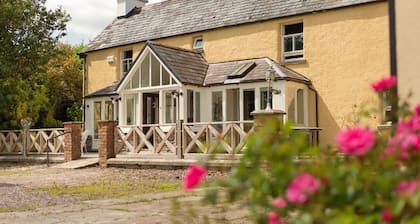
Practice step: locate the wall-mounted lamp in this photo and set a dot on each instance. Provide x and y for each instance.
(110, 59)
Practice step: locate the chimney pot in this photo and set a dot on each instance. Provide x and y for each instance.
(125, 6)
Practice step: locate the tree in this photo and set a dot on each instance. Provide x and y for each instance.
(64, 82)
(28, 36)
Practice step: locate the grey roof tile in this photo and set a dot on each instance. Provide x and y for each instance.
(177, 17)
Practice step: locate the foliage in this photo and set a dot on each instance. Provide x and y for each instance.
(65, 78)
(29, 33)
(371, 177)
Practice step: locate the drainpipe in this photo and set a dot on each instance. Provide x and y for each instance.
(310, 87)
(84, 72)
(393, 57)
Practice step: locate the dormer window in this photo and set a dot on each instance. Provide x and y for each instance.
(198, 43)
(126, 61)
(293, 42)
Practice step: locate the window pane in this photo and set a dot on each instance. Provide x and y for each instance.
(136, 79)
(216, 99)
(190, 106)
(96, 118)
(300, 107)
(170, 110)
(288, 44)
(293, 28)
(128, 54)
(109, 111)
(145, 72)
(155, 71)
(249, 104)
(198, 43)
(197, 107)
(130, 110)
(298, 42)
(263, 98)
(165, 77)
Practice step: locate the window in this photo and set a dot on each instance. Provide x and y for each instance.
(130, 110)
(198, 43)
(300, 107)
(296, 109)
(197, 106)
(387, 107)
(263, 98)
(96, 118)
(217, 107)
(170, 108)
(190, 106)
(145, 72)
(126, 61)
(109, 111)
(293, 41)
(249, 104)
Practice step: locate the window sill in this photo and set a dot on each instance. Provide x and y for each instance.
(199, 50)
(294, 61)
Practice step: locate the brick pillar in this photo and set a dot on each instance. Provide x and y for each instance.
(264, 117)
(106, 134)
(72, 140)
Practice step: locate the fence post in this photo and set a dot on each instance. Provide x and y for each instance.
(179, 151)
(72, 141)
(26, 124)
(264, 117)
(106, 134)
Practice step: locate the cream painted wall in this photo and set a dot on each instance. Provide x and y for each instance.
(345, 50)
(408, 59)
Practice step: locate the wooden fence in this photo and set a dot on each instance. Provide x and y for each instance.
(38, 141)
(154, 139)
(220, 138)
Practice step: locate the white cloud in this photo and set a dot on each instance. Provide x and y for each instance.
(88, 17)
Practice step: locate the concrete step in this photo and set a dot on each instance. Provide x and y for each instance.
(78, 164)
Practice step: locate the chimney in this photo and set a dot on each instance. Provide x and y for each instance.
(125, 6)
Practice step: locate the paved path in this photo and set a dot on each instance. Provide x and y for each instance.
(147, 209)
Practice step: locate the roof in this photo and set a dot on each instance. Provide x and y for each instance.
(188, 66)
(218, 73)
(177, 17)
(107, 91)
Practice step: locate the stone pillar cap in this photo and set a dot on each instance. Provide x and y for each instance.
(268, 112)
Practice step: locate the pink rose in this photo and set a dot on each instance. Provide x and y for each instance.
(301, 187)
(417, 110)
(407, 188)
(279, 203)
(274, 219)
(193, 176)
(386, 215)
(355, 141)
(384, 84)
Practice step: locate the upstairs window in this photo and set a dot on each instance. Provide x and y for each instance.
(126, 61)
(198, 43)
(293, 41)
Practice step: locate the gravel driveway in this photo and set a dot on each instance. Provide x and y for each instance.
(22, 195)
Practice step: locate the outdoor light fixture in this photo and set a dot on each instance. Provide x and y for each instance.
(269, 77)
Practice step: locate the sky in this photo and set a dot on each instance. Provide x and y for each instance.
(88, 17)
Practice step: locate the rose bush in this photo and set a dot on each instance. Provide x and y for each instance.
(370, 176)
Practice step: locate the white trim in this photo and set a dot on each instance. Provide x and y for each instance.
(137, 64)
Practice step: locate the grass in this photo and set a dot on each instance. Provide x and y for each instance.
(112, 189)
(18, 209)
(6, 172)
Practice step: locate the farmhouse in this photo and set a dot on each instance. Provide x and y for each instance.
(207, 65)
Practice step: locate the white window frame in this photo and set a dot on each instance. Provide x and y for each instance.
(294, 52)
(124, 60)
